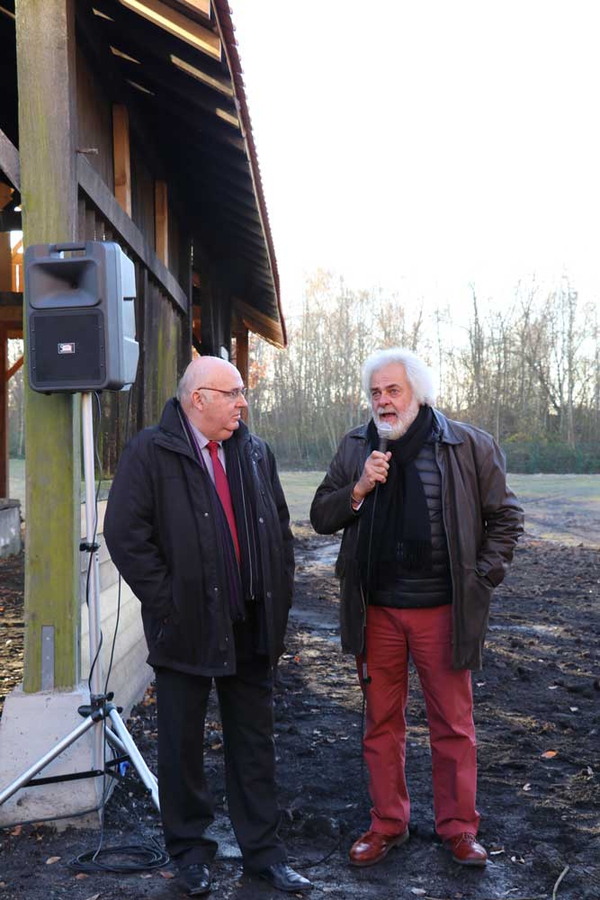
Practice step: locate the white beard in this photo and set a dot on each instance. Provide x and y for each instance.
(403, 420)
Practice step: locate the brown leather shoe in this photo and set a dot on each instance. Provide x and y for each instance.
(372, 847)
(466, 850)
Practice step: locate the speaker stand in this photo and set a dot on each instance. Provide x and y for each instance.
(101, 712)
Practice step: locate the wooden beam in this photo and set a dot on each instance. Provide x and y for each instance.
(95, 189)
(4, 486)
(161, 221)
(261, 324)
(17, 267)
(199, 6)
(5, 262)
(9, 161)
(241, 358)
(6, 194)
(11, 309)
(15, 366)
(140, 38)
(122, 156)
(178, 25)
(47, 129)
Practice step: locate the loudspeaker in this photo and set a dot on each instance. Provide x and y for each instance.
(80, 317)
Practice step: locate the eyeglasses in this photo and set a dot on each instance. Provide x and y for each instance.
(234, 394)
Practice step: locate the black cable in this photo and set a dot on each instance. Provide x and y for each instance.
(118, 616)
(363, 781)
(148, 856)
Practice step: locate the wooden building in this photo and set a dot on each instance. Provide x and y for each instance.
(154, 126)
(123, 120)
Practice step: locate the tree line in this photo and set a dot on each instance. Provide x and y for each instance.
(527, 371)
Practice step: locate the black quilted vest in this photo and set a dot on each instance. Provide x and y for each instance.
(434, 588)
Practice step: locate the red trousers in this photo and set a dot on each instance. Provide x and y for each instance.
(425, 635)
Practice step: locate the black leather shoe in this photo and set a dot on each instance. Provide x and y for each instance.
(195, 879)
(283, 878)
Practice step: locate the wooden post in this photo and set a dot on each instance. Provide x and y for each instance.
(47, 133)
(5, 262)
(122, 156)
(241, 357)
(161, 221)
(4, 487)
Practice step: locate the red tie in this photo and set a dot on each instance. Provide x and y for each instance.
(222, 486)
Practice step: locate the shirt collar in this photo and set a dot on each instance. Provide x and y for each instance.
(201, 438)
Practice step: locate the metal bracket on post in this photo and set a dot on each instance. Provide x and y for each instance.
(47, 657)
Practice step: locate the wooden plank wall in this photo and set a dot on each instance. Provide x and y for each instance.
(142, 195)
(165, 345)
(94, 113)
(160, 331)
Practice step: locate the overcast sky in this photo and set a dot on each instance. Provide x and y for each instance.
(424, 145)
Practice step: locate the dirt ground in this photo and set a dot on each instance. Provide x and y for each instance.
(538, 725)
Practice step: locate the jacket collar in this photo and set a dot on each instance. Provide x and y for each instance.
(444, 430)
(442, 427)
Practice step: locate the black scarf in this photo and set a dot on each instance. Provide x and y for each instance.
(241, 485)
(395, 531)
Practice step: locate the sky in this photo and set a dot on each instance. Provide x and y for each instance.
(428, 145)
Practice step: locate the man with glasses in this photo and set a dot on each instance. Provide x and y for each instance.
(198, 526)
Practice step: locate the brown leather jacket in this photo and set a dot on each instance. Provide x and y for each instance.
(482, 520)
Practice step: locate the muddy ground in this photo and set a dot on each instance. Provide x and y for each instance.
(538, 722)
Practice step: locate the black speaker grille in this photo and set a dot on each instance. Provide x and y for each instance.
(67, 349)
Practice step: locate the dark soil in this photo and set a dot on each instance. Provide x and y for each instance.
(538, 724)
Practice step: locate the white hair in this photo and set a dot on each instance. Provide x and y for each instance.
(418, 373)
(185, 386)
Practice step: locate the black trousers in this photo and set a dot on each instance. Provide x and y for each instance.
(246, 704)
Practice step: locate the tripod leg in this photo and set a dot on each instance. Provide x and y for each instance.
(26, 777)
(148, 779)
(114, 741)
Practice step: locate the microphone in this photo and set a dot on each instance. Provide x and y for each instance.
(384, 431)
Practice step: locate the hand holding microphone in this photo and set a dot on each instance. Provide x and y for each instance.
(376, 467)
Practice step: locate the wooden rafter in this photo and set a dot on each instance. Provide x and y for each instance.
(199, 6)
(260, 323)
(178, 25)
(217, 84)
(159, 77)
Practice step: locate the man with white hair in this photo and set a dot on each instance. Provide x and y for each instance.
(430, 528)
(198, 526)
